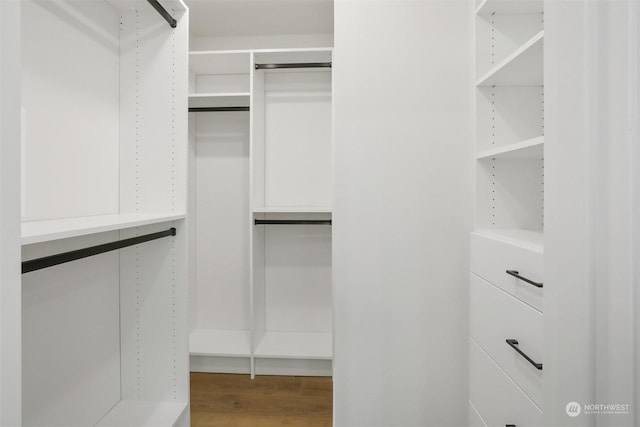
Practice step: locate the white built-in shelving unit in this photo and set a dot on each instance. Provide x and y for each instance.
(104, 158)
(261, 294)
(508, 237)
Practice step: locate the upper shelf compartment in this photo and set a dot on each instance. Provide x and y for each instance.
(524, 67)
(487, 7)
(221, 73)
(219, 62)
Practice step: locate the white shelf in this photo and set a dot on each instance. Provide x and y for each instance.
(236, 99)
(488, 7)
(530, 149)
(295, 345)
(43, 231)
(132, 413)
(522, 68)
(293, 209)
(529, 239)
(218, 342)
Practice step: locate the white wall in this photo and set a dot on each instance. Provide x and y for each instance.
(403, 210)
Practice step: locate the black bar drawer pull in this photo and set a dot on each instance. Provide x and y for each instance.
(510, 425)
(515, 273)
(514, 344)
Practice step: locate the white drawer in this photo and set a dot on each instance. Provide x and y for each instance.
(475, 420)
(496, 398)
(491, 258)
(496, 316)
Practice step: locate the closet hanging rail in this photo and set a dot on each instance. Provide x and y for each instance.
(163, 12)
(292, 222)
(50, 261)
(217, 109)
(294, 65)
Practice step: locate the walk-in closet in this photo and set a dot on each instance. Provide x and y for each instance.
(395, 213)
(261, 194)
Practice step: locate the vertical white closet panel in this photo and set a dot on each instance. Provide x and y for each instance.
(153, 162)
(402, 212)
(10, 293)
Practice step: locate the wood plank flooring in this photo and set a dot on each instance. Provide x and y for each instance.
(267, 401)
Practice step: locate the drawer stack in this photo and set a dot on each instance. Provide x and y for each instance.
(506, 341)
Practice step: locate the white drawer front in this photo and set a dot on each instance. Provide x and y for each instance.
(497, 399)
(490, 259)
(496, 316)
(475, 420)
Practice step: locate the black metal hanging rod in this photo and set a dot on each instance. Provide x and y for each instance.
(292, 222)
(294, 65)
(163, 12)
(50, 261)
(217, 109)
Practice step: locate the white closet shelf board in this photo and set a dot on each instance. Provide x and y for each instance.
(293, 55)
(488, 7)
(293, 209)
(220, 62)
(219, 342)
(295, 345)
(43, 231)
(237, 99)
(133, 413)
(522, 68)
(528, 239)
(530, 149)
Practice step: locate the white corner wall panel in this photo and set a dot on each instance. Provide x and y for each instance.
(403, 204)
(70, 108)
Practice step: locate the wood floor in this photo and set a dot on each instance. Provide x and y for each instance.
(238, 401)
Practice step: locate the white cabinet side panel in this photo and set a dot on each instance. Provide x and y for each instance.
(70, 101)
(71, 336)
(403, 154)
(222, 205)
(153, 113)
(153, 310)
